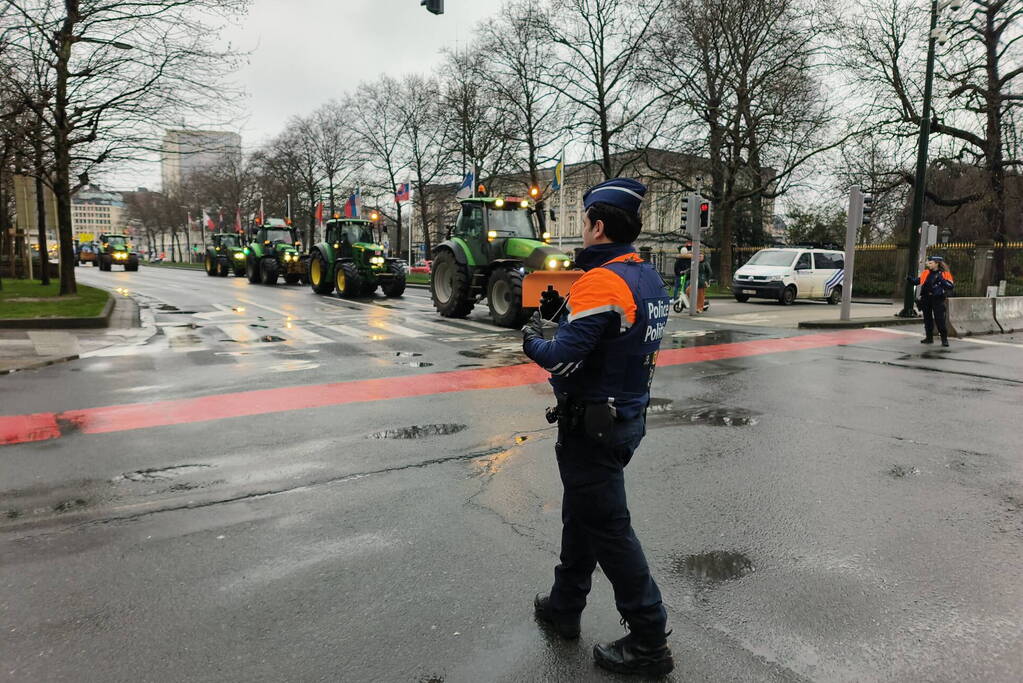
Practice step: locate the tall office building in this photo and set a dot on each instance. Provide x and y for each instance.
(95, 211)
(186, 152)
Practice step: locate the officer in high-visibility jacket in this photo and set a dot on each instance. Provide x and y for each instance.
(602, 361)
(935, 285)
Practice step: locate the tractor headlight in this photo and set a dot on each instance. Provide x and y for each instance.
(552, 264)
(546, 237)
(238, 255)
(120, 255)
(492, 234)
(377, 260)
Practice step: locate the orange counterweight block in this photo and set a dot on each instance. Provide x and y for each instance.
(534, 284)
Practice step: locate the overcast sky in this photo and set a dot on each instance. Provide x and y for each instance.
(305, 52)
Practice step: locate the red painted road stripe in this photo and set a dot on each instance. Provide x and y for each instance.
(24, 428)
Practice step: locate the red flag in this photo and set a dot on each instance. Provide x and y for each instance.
(208, 222)
(319, 214)
(238, 219)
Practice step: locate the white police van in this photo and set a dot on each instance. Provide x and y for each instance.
(787, 274)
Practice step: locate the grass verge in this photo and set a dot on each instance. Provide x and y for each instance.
(28, 299)
(418, 278)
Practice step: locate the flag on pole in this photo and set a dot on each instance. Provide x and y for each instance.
(404, 193)
(220, 222)
(208, 222)
(319, 214)
(238, 219)
(559, 173)
(352, 205)
(468, 186)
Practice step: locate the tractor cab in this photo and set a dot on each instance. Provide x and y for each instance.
(349, 234)
(227, 240)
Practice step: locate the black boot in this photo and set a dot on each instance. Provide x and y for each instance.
(633, 654)
(565, 625)
(944, 340)
(927, 340)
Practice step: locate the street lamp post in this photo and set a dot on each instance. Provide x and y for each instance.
(920, 181)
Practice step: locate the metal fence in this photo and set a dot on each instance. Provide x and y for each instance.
(880, 268)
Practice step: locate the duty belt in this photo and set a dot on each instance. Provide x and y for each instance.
(595, 420)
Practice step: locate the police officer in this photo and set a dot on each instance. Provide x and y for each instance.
(935, 284)
(601, 362)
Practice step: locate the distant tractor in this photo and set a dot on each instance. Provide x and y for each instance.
(351, 261)
(492, 247)
(116, 250)
(273, 252)
(225, 255)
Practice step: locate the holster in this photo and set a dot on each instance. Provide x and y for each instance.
(594, 420)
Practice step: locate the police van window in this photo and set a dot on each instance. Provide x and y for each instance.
(824, 261)
(803, 262)
(771, 257)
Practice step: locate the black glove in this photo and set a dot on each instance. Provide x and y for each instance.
(550, 302)
(532, 328)
(913, 280)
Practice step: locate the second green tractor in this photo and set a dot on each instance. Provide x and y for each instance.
(226, 254)
(351, 261)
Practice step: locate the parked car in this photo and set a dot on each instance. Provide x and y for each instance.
(421, 267)
(791, 273)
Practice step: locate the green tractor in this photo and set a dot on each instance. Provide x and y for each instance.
(226, 254)
(115, 249)
(351, 261)
(492, 246)
(273, 252)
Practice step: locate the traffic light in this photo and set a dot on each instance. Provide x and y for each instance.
(868, 208)
(434, 6)
(704, 214)
(685, 214)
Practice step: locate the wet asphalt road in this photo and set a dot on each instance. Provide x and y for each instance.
(850, 512)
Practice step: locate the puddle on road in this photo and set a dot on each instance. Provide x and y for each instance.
(715, 566)
(70, 505)
(663, 411)
(167, 307)
(159, 473)
(690, 338)
(414, 363)
(903, 471)
(419, 431)
(407, 354)
(271, 338)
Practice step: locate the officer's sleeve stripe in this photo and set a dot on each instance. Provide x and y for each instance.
(555, 368)
(610, 308)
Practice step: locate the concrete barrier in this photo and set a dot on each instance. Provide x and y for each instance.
(1009, 313)
(972, 315)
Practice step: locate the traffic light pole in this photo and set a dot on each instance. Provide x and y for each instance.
(693, 215)
(920, 182)
(854, 221)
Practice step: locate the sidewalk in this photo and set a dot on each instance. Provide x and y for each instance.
(32, 349)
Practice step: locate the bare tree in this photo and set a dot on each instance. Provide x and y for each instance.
(600, 44)
(380, 122)
(336, 146)
(109, 96)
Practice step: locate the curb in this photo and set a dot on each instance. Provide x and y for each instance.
(39, 364)
(857, 323)
(94, 322)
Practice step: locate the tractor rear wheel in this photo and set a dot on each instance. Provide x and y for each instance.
(211, 265)
(504, 296)
(449, 286)
(396, 285)
(252, 270)
(132, 266)
(268, 271)
(347, 280)
(319, 274)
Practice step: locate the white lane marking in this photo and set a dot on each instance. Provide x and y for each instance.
(303, 335)
(970, 340)
(278, 311)
(439, 327)
(396, 329)
(354, 332)
(472, 323)
(737, 320)
(239, 333)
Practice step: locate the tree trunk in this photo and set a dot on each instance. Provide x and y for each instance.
(62, 152)
(44, 259)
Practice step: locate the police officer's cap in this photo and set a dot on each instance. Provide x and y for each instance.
(623, 193)
(936, 259)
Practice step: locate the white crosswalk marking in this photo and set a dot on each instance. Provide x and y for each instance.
(396, 329)
(472, 323)
(303, 335)
(355, 332)
(240, 333)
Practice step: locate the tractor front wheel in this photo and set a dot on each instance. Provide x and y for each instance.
(252, 271)
(396, 285)
(223, 268)
(319, 274)
(504, 296)
(449, 286)
(211, 265)
(347, 280)
(268, 271)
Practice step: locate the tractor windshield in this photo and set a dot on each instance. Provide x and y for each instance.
(230, 241)
(514, 223)
(279, 235)
(356, 233)
(116, 241)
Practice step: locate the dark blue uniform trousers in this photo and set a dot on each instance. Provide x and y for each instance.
(597, 529)
(933, 308)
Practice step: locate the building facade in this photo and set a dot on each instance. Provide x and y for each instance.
(95, 211)
(186, 152)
